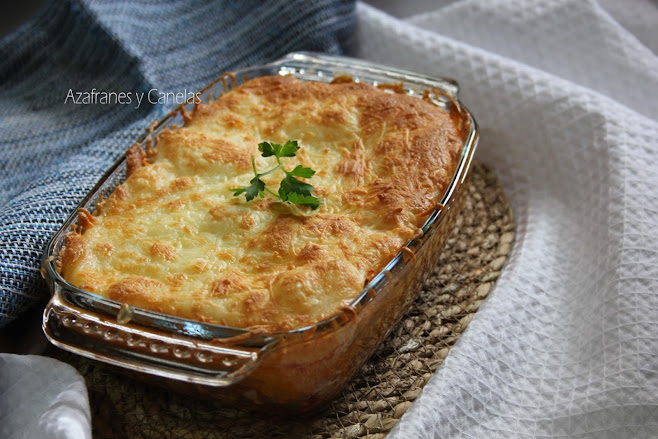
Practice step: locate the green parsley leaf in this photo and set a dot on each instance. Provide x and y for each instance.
(267, 149)
(297, 192)
(289, 149)
(257, 187)
(301, 171)
(291, 185)
(304, 200)
(238, 191)
(291, 189)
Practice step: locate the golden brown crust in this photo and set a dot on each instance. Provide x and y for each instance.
(134, 159)
(85, 219)
(174, 240)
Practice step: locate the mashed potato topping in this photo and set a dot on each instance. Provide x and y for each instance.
(173, 238)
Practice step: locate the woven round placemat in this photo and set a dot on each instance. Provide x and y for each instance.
(385, 387)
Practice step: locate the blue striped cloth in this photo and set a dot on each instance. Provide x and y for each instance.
(54, 150)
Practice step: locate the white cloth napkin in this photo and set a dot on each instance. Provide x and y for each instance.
(42, 398)
(566, 94)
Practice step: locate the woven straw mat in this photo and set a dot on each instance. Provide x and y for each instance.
(385, 387)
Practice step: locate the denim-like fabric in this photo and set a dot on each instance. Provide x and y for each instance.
(54, 150)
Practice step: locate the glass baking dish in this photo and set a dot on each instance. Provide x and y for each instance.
(295, 371)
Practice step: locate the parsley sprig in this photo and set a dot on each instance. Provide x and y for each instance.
(291, 189)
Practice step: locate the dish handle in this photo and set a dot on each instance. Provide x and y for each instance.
(158, 353)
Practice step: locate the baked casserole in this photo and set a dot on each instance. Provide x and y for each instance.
(173, 239)
(257, 301)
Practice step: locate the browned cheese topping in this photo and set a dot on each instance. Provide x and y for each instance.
(174, 239)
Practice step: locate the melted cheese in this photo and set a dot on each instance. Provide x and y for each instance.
(174, 239)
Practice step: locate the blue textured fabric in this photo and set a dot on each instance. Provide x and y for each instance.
(54, 150)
